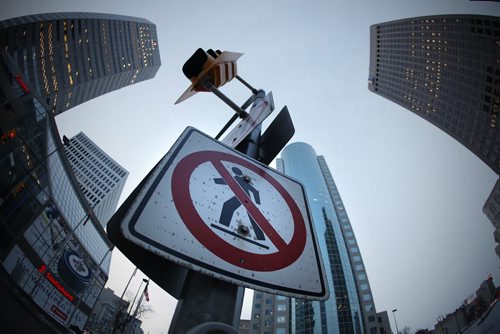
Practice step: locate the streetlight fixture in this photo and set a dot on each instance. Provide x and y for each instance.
(394, 314)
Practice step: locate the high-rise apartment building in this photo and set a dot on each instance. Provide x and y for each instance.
(70, 58)
(100, 177)
(54, 253)
(446, 69)
(350, 308)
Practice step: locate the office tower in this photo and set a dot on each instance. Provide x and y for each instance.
(491, 209)
(270, 314)
(70, 58)
(446, 69)
(55, 255)
(350, 308)
(100, 177)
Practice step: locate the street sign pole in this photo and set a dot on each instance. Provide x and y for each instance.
(207, 299)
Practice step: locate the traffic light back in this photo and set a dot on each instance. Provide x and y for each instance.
(216, 66)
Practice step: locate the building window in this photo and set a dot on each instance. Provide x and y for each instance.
(257, 305)
(280, 319)
(364, 287)
(268, 312)
(367, 297)
(281, 307)
(371, 318)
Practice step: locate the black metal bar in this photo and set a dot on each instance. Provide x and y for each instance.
(235, 116)
(209, 85)
(249, 101)
(240, 79)
(228, 124)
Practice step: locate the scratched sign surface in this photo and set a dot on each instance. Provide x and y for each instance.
(213, 209)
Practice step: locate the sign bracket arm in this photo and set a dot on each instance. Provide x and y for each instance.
(210, 86)
(235, 116)
(240, 79)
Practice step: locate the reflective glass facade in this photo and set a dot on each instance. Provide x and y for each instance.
(445, 69)
(70, 58)
(341, 313)
(53, 251)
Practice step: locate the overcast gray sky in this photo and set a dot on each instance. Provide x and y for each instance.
(414, 195)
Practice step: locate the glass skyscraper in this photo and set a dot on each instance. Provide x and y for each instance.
(70, 58)
(445, 69)
(54, 254)
(350, 308)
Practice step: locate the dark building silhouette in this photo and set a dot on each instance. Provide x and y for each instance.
(70, 58)
(445, 69)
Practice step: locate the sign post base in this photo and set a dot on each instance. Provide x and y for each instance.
(207, 299)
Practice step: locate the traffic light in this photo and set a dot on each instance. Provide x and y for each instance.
(216, 66)
(8, 136)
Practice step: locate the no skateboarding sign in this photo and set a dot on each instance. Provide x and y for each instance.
(217, 211)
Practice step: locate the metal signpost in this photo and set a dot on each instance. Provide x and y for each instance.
(255, 117)
(212, 207)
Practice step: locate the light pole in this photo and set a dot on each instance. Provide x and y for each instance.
(144, 280)
(133, 274)
(394, 314)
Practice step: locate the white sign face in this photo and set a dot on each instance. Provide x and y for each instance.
(215, 210)
(255, 117)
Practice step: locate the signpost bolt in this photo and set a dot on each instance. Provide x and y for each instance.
(242, 229)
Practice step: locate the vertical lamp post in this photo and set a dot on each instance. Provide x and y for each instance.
(394, 314)
(124, 290)
(144, 280)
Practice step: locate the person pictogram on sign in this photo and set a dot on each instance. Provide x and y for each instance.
(232, 204)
